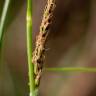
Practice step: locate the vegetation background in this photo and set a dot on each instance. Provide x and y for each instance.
(71, 42)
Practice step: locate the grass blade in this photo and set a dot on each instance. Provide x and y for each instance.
(3, 18)
(72, 69)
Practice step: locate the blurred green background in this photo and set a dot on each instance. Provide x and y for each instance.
(13, 67)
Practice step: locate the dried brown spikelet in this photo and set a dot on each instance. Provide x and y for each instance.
(38, 54)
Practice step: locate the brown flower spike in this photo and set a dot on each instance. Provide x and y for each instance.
(38, 54)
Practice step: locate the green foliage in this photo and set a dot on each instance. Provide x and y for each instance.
(9, 9)
(72, 69)
(3, 18)
(10, 12)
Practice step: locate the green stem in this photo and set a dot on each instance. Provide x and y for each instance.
(29, 48)
(72, 69)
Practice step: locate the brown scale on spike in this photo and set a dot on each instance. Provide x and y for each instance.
(38, 54)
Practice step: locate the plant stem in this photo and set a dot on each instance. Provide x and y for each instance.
(2, 21)
(72, 69)
(29, 48)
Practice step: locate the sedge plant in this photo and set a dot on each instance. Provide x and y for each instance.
(36, 61)
(35, 66)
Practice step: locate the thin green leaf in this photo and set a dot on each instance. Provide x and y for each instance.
(72, 69)
(3, 18)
